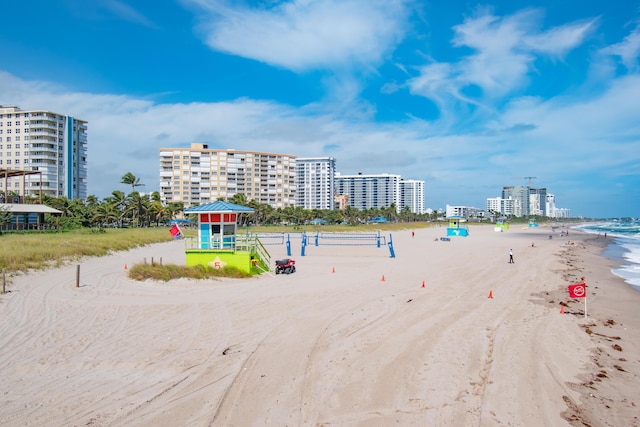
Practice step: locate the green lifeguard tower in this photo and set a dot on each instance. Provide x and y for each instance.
(455, 229)
(218, 245)
(501, 224)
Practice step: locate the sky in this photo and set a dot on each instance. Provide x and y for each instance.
(466, 96)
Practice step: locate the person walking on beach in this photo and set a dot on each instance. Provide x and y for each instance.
(511, 261)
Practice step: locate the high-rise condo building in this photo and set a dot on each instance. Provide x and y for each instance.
(52, 145)
(370, 191)
(520, 196)
(538, 201)
(200, 174)
(412, 195)
(315, 182)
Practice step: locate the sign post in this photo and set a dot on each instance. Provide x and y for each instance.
(579, 290)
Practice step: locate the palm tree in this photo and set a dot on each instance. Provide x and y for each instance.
(130, 179)
(117, 200)
(106, 214)
(238, 199)
(135, 205)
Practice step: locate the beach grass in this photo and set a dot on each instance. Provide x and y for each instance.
(20, 252)
(171, 271)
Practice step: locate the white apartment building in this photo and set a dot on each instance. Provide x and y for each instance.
(456, 211)
(51, 144)
(552, 210)
(412, 195)
(370, 191)
(540, 203)
(494, 204)
(315, 182)
(199, 175)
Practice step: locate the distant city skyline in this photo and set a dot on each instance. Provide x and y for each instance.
(464, 97)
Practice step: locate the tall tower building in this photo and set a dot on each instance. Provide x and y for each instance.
(412, 195)
(538, 201)
(200, 175)
(55, 145)
(520, 197)
(315, 183)
(370, 191)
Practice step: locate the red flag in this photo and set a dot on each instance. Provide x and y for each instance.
(175, 231)
(578, 290)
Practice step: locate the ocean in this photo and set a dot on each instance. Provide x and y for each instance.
(624, 246)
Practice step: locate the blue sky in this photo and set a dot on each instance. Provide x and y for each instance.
(467, 96)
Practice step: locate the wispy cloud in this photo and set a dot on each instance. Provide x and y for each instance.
(561, 137)
(504, 50)
(128, 13)
(303, 35)
(628, 50)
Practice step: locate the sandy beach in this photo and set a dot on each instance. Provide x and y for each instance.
(351, 339)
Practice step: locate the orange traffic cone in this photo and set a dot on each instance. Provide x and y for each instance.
(490, 294)
(562, 309)
(333, 269)
(382, 280)
(423, 283)
(125, 266)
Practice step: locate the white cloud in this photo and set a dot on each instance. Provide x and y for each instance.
(565, 140)
(628, 50)
(128, 13)
(557, 140)
(302, 35)
(504, 51)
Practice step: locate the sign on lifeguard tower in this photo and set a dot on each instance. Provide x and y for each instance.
(455, 229)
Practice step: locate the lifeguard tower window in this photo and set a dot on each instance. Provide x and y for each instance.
(229, 229)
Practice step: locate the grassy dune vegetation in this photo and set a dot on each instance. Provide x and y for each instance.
(171, 271)
(21, 252)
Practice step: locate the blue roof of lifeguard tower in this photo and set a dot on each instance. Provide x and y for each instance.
(218, 206)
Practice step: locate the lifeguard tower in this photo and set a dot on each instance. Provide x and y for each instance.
(532, 223)
(455, 229)
(218, 245)
(501, 224)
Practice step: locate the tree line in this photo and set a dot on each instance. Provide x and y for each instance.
(137, 209)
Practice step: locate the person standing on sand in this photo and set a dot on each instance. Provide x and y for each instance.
(511, 261)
